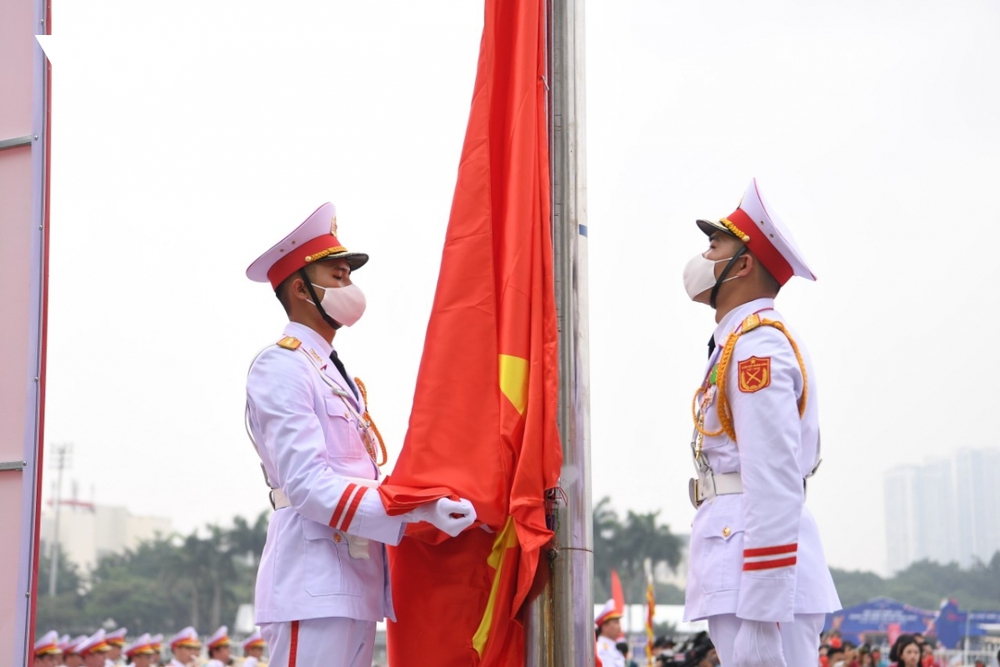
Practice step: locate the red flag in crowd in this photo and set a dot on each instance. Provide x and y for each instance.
(483, 424)
(616, 592)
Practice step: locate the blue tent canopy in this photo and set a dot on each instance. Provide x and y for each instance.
(875, 616)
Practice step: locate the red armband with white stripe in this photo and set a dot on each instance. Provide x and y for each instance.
(769, 558)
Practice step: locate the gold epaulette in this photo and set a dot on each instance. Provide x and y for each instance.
(750, 323)
(289, 343)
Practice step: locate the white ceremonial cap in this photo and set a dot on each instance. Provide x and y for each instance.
(92, 644)
(117, 638)
(219, 638)
(187, 638)
(254, 640)
(143, 645)
(608, 612)
(48, 644)
(313, 241)
(69, 645)
(756, 224)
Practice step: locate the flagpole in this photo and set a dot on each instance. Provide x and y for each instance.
(560, 629)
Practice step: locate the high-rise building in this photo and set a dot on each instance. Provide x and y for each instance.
(977, 484)
(947, 510)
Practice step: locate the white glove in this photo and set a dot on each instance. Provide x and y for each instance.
(758, 644)
(449, 516)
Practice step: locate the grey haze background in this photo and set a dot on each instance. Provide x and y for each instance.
(190, 136)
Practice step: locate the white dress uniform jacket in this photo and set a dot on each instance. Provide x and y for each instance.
(607, 651)
(757, 554)
(318, 561)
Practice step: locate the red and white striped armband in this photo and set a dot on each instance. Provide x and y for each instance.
(347, 506)
(769, 558)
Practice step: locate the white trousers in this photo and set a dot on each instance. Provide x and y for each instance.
(799, 639)
(320, 642)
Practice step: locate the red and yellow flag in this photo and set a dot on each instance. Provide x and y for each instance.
(650, 613)
(483, 424)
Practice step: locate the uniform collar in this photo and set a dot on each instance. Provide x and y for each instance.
(736, 316)
(309, 338)
(314, 343)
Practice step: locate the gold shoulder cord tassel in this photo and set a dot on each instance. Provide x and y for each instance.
(367, 417)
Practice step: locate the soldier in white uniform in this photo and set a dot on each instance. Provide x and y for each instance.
(116, 640)
(219, 648)
(156, 643)
(46, 651)
(253, 649)
(323, 580)
(70, 657)
(186, 647)
(140, 652)
(757, 569)
(609, 628)
(93, 650)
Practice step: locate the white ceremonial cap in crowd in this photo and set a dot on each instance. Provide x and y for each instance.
(254, 640)
(117, 638)
(313, 241)
(219, 638)
(48, 644)
(93, 644)
(141, 646)
(187, 638)
(69, 645)
(608, 612)
(756, 224)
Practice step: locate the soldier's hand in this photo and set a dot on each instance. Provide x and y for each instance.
(449, 516)
(758, 644)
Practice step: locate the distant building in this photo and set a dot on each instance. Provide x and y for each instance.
(977, 485)
(88, 531)
(947, 510)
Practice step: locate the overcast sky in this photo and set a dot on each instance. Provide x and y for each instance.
(191, 136)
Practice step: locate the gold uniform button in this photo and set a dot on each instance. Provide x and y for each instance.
(726, 532)
(337, 537)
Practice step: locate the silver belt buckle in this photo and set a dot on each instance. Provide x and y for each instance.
(693, 493)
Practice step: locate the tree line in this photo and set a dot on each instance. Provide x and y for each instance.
(200, 579)
(162, 585)
(626, 543)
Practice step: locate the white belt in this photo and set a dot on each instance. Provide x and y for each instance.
(279, 500)
(710, 485)
(357, 546)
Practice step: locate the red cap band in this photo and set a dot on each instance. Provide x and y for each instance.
(302, 256)
(762, 248)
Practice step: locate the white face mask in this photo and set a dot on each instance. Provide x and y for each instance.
(699, 275)
(344, 304)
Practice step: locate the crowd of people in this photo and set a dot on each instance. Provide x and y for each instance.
(908, 650)
(111, 649)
